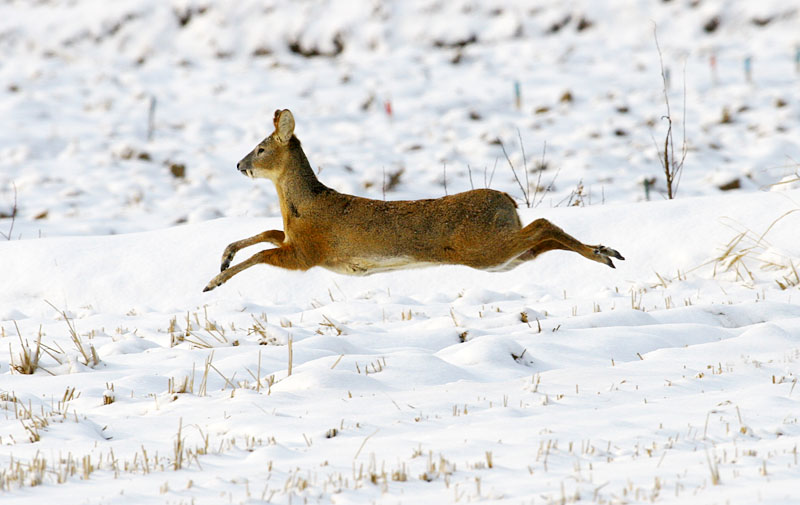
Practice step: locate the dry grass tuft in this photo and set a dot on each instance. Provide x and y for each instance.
(28, 360)
(90, 357)
(748, 251)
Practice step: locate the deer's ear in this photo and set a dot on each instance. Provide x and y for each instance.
(284, 125)
(275, 118)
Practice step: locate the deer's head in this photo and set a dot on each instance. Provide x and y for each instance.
(268, 158)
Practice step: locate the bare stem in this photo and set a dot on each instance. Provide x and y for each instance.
(671, 166)
(514, 171)
(13, 215)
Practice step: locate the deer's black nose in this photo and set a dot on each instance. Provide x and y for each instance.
(237, 165)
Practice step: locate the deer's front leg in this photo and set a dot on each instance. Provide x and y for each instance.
(283, 257)
(273, 236)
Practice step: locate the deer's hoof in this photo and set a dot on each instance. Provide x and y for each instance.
(227, 257)
(212, 285)
(604, 255)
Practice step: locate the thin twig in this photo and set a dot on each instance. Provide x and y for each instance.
(491, 177)
(228, 382)
(539, 179)
(444, 171)
(337, 361)
(524, 162)
(513, 170)
(365, 443)
(13, 215)
(684, 148)
(291, 356)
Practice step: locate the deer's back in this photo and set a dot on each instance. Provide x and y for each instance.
(359, 236)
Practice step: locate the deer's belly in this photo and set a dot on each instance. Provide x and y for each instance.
(367, 266)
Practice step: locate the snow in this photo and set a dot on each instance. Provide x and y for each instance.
(670, 379)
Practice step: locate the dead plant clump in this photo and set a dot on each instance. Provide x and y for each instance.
(748, 251)
(89, 355)
(28, 360)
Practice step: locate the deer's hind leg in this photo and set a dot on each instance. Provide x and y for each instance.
(541, 236)
(275, 237)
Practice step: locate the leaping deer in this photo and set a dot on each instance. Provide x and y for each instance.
(359, 236)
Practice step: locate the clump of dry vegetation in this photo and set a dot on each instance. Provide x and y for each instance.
(28, 360)
(89, 355)
(748, 251)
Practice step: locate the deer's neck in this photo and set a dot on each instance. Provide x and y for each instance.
(297, 186)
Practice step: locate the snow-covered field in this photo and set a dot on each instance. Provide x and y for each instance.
(672, 379)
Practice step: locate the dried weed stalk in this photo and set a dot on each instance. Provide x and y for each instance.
(672, 166)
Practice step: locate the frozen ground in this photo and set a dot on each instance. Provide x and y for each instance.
(671, 379)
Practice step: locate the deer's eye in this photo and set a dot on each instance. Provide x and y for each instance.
(260, 150)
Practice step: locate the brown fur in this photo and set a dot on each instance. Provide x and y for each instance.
(359, 236)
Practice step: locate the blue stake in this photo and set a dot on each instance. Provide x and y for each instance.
(748, 68)
(517, 95)
(797, 59)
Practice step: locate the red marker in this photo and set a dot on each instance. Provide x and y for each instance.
(712, 60)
